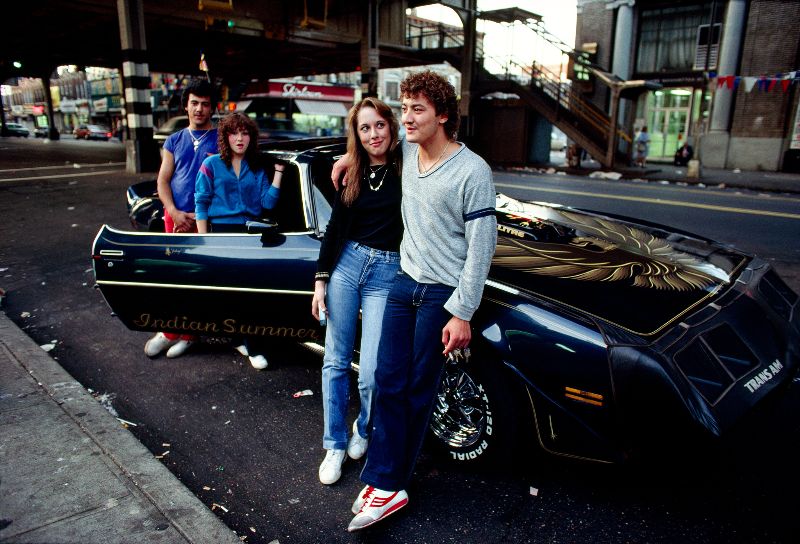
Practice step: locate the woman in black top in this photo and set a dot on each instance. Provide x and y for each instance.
(358, 261)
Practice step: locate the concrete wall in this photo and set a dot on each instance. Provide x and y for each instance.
(754, 153)
(770, 47)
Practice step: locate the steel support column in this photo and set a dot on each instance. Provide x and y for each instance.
(141, 150)
(370, 53)
(52, 131)
(468, 15)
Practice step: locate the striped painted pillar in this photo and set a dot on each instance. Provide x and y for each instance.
(141, 151)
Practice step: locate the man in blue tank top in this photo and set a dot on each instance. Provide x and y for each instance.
(183, 153)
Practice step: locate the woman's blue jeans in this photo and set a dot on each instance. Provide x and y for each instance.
(361, 279)
(406, 379)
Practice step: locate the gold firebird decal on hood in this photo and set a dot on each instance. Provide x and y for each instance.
(634, 254)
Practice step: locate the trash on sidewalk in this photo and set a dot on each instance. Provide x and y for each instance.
(105, 399)
(25, 314)
(534, 491)
(605, 175)
(303, 393)
(215, 506)
(50, 346)
(127, 423)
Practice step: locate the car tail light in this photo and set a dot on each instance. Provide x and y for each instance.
(108, 134)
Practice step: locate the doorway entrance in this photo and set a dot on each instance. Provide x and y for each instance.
(668, 115)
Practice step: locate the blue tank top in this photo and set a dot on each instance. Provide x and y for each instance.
(187, 163)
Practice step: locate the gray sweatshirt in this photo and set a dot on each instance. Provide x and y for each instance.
(450, 226)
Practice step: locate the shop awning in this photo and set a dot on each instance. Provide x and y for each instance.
(242, 105)
(322, 107)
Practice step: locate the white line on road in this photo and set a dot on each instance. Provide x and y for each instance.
(82, 174)
(69, 165)
(655, 201)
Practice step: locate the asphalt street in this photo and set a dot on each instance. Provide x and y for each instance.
(242, 443)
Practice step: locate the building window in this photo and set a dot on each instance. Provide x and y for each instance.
(668, 37)
(392, 91)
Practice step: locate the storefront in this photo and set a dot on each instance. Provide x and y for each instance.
(673, 115)
(311, 109)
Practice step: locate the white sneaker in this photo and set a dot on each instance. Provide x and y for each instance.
(378, 505)
(357, 446)
(179, 348)
(259, 362)
(331, 468)
(157, 344)
(242, 349)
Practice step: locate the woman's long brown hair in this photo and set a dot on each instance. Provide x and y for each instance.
(357, 151)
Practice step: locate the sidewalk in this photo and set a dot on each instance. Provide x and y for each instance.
(709, 177)
(70, 473)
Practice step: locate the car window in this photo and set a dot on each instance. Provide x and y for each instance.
(288, 213)
(323, 190)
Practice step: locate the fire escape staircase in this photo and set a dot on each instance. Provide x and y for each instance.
(554, 98)
(583, 122)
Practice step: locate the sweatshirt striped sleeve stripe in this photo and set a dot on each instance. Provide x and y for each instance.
(478, 213)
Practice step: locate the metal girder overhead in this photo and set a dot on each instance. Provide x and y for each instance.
(241, 39)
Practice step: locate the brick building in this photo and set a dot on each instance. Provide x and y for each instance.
(748, 122)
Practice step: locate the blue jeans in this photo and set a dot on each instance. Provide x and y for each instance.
(406, 379)
(361, 279)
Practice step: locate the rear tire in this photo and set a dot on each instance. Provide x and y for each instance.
(475, 420)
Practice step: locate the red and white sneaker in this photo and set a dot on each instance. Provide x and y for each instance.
(378, 504)
(361, 499)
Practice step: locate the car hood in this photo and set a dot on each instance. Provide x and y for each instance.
(640, 277)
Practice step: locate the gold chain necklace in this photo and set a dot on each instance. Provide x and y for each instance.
(422, 168)
(196, 141)
(372, 176)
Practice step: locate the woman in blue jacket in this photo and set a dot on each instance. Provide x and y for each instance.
(232, 188)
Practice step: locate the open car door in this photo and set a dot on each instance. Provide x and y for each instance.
(258, 283)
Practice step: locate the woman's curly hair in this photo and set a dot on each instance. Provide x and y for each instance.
(231, 124)
(441, 94)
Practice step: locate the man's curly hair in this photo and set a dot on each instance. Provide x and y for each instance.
(441, 94)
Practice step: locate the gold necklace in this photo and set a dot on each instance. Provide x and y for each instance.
(422, 168)
(372, 176)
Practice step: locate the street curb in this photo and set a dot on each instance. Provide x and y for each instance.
(190, 517)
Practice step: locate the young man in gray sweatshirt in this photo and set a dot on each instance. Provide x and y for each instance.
(449, 240)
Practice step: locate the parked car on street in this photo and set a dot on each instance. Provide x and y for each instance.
(16, 129)
(558, 141)
(173, 124)
(599, 337)
(92, 132)
(42, 132)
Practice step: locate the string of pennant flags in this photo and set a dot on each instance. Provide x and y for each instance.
(764, 83)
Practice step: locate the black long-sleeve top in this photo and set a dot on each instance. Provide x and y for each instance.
(374, 219)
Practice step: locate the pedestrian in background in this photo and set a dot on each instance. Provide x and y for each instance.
(641, 147)
(358, 262)
(181, 157)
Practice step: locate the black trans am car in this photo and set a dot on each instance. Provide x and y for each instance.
(598, 337)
